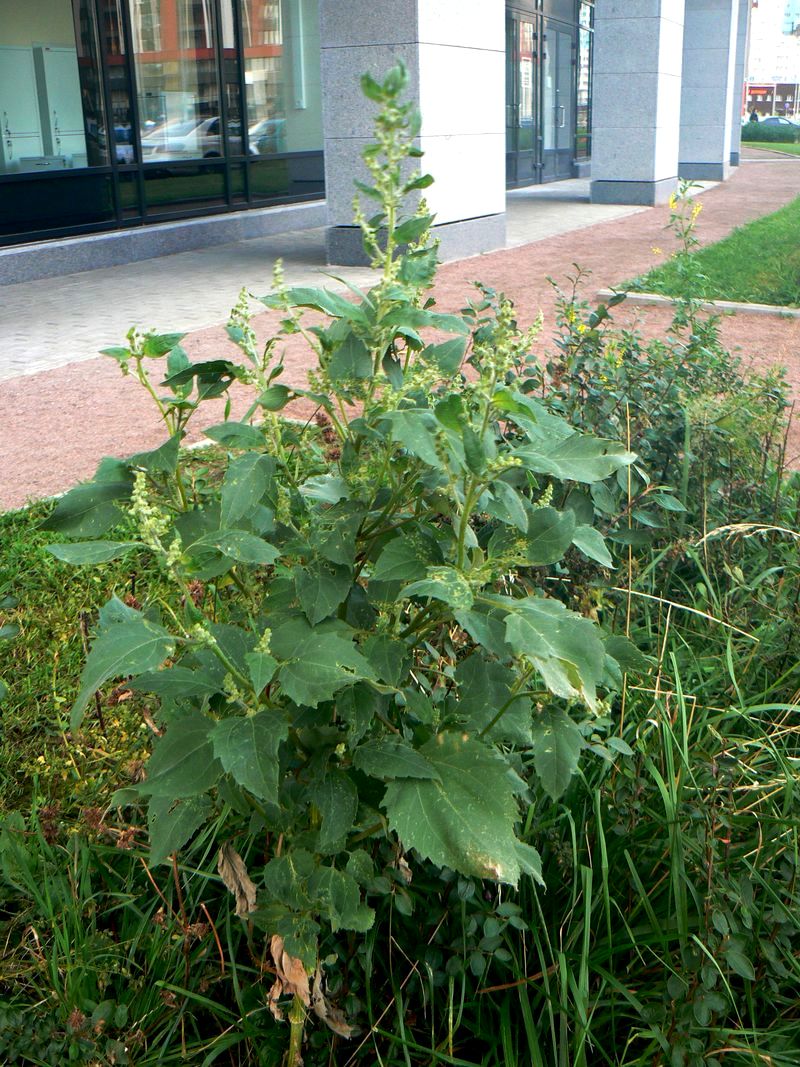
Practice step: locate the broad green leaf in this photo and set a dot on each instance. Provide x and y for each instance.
(176, 682)
(557, 746)
(392, 757)
(592, 543)
(412, 229)
(161, 460)
(465, 819)
(485, 687)
(322, 665)
(129, 647)
(321, 588)
(447, 356)
(549, 536)
(236, 435)
(275, 397)
(246, 481)
(183, 762)
(419, 267)
(443, 583)
(508, 506)
(563, 646)
(89, 510)
(579, 458)
(626, 654)
(319, 300)
(351, 359)
(338, 897)
(738, 962)
(92, 551)
(212, 374)
(666, 500)
(486, 628)
(261, 668)
(9, 631)
(411, 318)
(247, 747)
(387, 656)
(336, 799)
(474, 451)
(241, 546)
(158, 344)
(357, 706)
(329, 488)
(416, 432)
(400, 561)
(171, 823)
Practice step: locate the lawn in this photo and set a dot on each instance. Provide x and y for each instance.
(757, 264)
(772, 146)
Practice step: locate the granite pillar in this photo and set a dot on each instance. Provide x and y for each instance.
(737, 96)
(636, 94)
(709, 69)
(455, 54)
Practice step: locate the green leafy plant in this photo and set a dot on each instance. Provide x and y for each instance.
(358, 646)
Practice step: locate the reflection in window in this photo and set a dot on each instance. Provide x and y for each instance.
(282, 75)
(177, 80)
(51, 104)
(583, 117)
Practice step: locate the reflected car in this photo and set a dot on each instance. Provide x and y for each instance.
(267, 137)
(190, 139)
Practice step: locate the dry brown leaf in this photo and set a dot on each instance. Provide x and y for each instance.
(290, 971)
(333, 1018)
(273, 997)
(234, 874)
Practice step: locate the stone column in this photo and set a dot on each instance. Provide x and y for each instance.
(636, 93)
(709, 68)
(737, 96)
(455, 53)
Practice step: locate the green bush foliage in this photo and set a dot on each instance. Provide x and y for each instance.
(758, 131)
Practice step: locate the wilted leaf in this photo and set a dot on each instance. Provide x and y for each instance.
(333, 1017)
(234, 874)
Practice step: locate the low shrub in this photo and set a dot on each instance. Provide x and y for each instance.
(759, 131)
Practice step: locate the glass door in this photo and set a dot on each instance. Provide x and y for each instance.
(522, 143)
(558, 101)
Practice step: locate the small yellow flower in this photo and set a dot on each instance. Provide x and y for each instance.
(697, 207)
(657, 251)
(673, 200)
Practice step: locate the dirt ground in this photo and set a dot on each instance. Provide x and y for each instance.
(56, 425)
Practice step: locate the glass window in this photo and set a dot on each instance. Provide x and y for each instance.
(183, 189)
(176, 79)
(52, 114)
(583, 114)
(66, 200)
(282, 75)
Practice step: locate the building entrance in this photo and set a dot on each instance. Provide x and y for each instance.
(541, 69)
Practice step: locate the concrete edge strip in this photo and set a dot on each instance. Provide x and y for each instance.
(730, 306)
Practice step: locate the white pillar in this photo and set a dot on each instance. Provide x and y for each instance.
(455, 53)
(709, 69)
(636, 93)
(737, 96)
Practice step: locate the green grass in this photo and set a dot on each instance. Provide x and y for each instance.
(757, 264)
(772, 146)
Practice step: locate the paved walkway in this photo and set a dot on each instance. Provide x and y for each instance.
(57, 321)
(56, 424)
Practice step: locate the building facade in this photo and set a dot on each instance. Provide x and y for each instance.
(121, 114)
